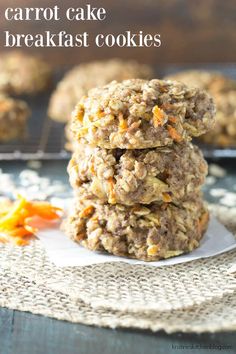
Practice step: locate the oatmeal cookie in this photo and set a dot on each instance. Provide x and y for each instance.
(13, 117)
(138, 176)
(224, 132)
(78, 81)
(223, 90)
(23, 74)
(137, 114)
(151, 232)
(211, 81)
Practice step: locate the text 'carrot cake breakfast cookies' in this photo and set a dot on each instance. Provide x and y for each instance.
(23, 74)
(135, 173)
(13, 118)
(137, 114)
(78, 81)
(223, 90)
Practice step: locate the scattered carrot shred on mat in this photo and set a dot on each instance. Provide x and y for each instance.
(174, 134)
(16, 216)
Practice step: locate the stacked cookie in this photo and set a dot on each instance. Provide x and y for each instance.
(135, 173)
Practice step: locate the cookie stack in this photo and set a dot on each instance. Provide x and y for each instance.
(135, 173)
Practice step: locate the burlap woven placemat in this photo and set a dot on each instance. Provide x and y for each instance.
(196, 296)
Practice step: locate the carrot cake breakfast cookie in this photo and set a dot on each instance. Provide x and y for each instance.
(23, 74)
(137, 114)
(223, 90)
(78, 81)
(151, 232)
(138, 176)
(13, 118)
(224, 132)
(211, 81)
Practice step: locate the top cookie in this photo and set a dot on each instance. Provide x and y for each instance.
(78, 81)
(138, 114)
(23, 74)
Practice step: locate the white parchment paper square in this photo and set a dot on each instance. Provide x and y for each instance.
(65, 253)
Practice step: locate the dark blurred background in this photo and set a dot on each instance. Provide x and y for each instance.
(192, 31)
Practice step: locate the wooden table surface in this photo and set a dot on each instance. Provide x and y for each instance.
(24, 333)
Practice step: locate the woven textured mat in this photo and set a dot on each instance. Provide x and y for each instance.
(18, 292)
(125, 287)
(196, 296)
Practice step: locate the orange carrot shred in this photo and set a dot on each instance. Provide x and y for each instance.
(92, 167)
(79, 113)
(173, 119)
(158, 117)
(203, 221)
(14, 220)
(174, 134)
(166, 197)
(88, 211)
(123, 125)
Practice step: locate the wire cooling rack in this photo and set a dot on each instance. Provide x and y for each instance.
(46, 140)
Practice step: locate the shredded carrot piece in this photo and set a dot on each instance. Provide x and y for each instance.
(44, 210)
(153, 250)
(203, 221)
(174, 134)
(92, 168)
(85, 213)
(166, 198)
(112, 195)
(15, 218)
(173, 119)
(4, 106)
(158, 117)
(100, 114)
(123, 125)
(20, 241)
(79, 113)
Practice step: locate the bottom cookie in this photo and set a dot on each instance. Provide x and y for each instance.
(151, 232)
